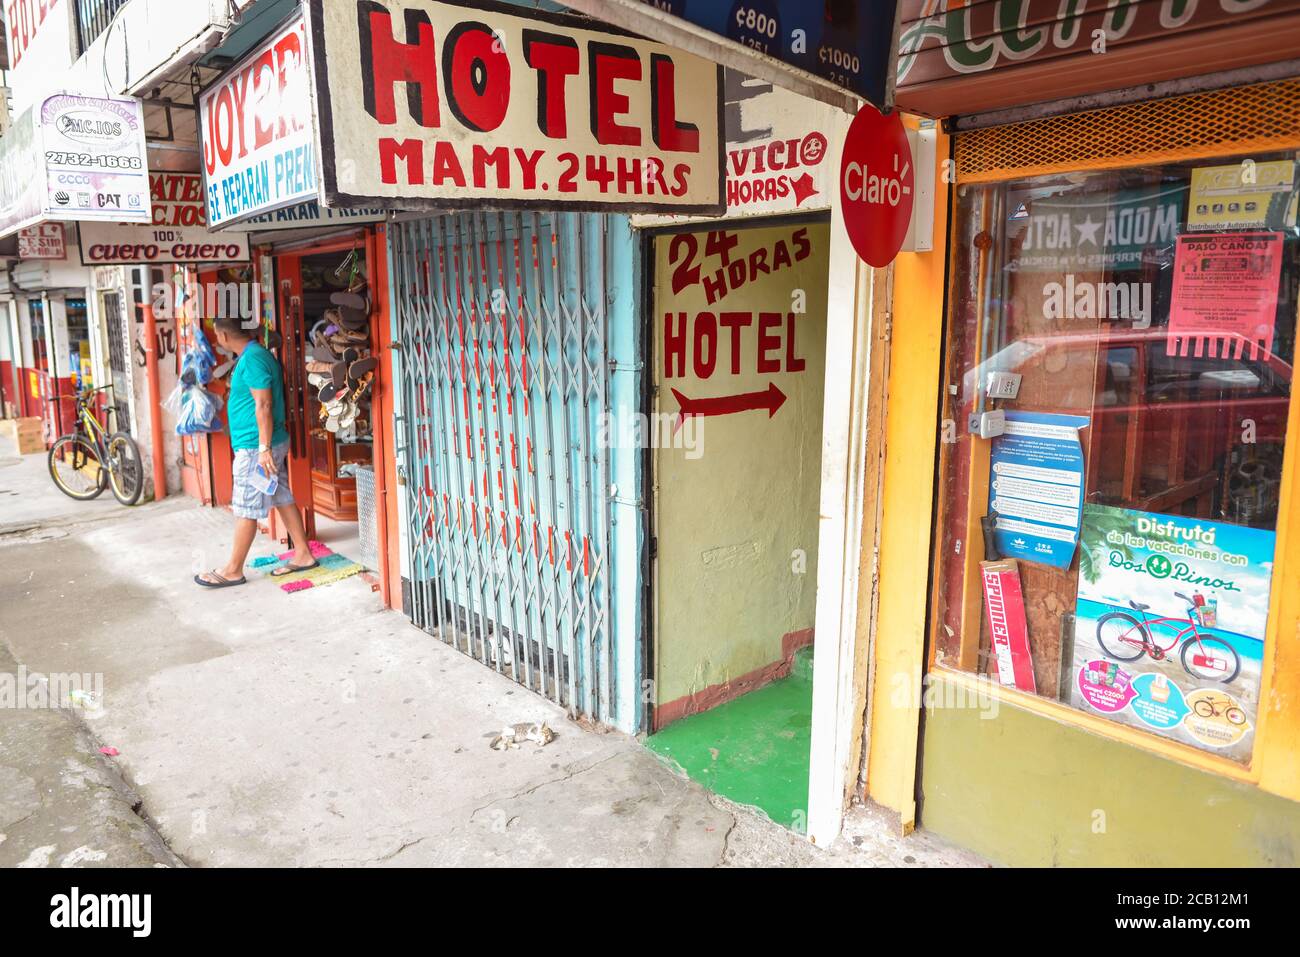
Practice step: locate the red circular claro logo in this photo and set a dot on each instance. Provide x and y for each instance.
(877, 185)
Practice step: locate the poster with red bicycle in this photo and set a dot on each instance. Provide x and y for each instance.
(1169, 625)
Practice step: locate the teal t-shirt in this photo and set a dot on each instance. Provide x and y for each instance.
(256, 369)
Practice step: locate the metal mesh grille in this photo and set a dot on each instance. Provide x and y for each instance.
(1263, 117)
(502, 324)
(367, 516)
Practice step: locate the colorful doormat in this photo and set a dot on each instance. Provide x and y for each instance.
(333, 568)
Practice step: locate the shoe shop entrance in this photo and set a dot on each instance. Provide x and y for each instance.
(515, 334)
(329, 352)
(321, 308)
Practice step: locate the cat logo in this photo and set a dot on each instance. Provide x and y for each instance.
(108, 199)
(1022, 212)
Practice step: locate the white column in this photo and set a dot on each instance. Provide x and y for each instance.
(848, 325)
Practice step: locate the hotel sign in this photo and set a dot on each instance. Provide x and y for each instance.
(437, 105)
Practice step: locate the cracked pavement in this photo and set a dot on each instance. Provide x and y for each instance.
(259, 728)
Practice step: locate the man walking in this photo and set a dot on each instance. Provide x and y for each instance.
(255, 419)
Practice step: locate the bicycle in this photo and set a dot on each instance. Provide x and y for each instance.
(1219, 706)
(1125, 638)
(88, 459)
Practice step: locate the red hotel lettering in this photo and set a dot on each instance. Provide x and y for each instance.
(702, 332)
(413, 63)
(472, 50)
(477, 84)
(25, 18)
(610, 62)
(555, 58)
(669, 133)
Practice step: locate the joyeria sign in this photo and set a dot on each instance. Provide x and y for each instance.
(877, 185)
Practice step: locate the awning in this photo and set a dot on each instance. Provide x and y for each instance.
(971, 58)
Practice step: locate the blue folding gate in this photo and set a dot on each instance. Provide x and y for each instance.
(502, 332)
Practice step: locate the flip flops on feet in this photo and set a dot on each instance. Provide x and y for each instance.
(289, 569)
(215, 579)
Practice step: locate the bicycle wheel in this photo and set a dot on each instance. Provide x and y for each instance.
(74, 466)
(1204, 708)
(125, 470)
(1121, 636)
(1210, 658)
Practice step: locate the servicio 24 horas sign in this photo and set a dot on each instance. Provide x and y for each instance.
(432, 105)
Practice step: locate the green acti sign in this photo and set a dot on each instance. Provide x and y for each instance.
(975, 38)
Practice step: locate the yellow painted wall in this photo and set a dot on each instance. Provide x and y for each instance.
(730, 519)
(911, 431)
(1025, 790)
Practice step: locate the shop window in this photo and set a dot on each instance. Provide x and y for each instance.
(1120, 362)
(78, 360)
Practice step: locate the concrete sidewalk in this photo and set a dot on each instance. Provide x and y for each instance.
(317, 728)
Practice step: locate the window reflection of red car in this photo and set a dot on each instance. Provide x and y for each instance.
(1195, 435)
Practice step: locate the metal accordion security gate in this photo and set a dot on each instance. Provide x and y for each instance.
(501, 336)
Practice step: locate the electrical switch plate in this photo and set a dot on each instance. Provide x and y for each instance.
(1003, 385)
(988, 425)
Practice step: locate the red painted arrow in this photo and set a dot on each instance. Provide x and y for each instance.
(770, 398)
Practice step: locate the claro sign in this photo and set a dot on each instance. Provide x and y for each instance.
(256, 124)
(178, 233)
(431, 105)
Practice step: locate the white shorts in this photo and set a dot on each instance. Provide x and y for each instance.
(247, 501)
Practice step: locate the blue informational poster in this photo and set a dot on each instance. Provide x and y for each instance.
(1036, 487)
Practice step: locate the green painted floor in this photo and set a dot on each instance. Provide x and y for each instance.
(753, 750)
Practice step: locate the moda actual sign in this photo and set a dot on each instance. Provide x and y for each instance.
(178, 232)
(259, 152)
(435, 105)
